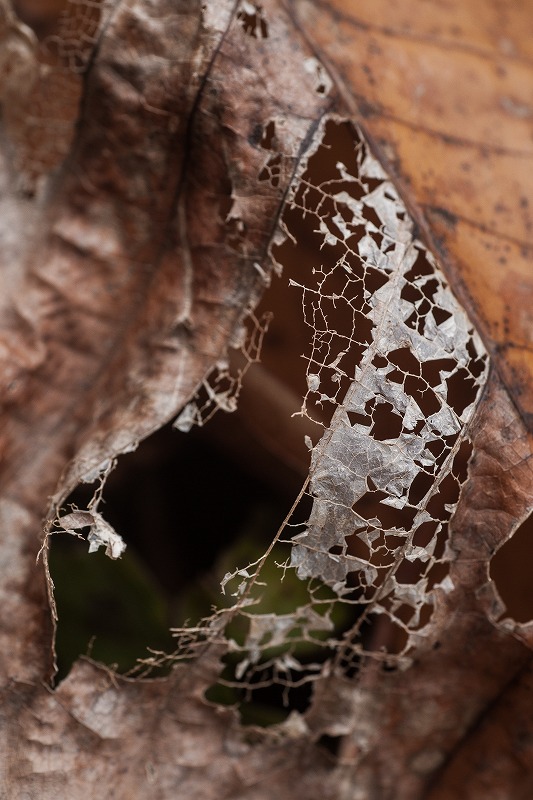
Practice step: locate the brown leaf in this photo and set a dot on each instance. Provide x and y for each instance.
(443, 93)
(130, 262)
(147, 149)
(409, 724)
(150, 739)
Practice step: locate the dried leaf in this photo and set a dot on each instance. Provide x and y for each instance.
(444, 93)
(147, 150)
(397, 438)
(100, 534)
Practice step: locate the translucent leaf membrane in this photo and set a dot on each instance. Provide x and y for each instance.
(221, 388)
(395, 358)
(396, 366)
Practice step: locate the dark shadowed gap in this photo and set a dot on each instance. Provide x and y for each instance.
(263, 701)
(331, 744)
(511, 569)
(253, 20)
(189, 510)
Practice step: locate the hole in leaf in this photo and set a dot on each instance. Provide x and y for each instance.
(358, 419)
(409, 572)
(379, 362)
(440, 315)
(370, 507)
(447, 494)
(374, 280)
(420, 269)
(460, 461)
(411, 293)
(405, 360)
(511, 569)
(176, 555)
(384, 635)
(478, 363)
(428, 288)
(252, 20)
(431, 370)
(109, 610)
(438, 571)
(269, 135)
(387, 424)
(462, 390)
(272, 171)
(424, 534)
(420, 486)
(331, 744)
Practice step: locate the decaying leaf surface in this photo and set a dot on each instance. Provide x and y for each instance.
(386, 475)
(456, 687)
(136, 239)
(109, 321)
(158, 739)
(111, 329)
(444, 92)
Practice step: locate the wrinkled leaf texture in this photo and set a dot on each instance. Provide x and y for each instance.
(135, 240)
